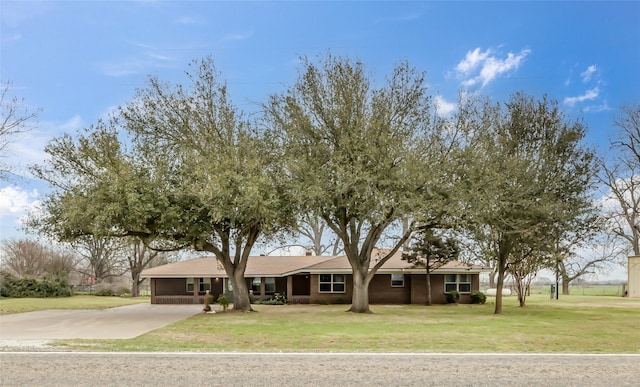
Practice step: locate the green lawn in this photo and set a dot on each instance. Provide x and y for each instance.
(18, 305)
(583, 324)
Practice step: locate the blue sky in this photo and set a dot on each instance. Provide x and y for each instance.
(77, 60)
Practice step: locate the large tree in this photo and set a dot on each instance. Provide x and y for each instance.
(101, 257)
(196, 175)
(525, 174)
(362, 156)
(621, 176)
(595, 256)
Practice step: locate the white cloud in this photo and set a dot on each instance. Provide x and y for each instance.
(73, 124)
(124, 68)
(8, 38)
(145, 59)
(588, 73)
(567, 81)
(238, 36)
(603, 107)
(589, 95)
(490, 66)
(185, 20)
(16, 201)
(443, 107)
(138, 65)
(472, 60)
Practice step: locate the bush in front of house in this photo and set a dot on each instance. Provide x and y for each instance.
(478, 297)
(48, 286)
(223, 301)
(278, 299)
(453, 297)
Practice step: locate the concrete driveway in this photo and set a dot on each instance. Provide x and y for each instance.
(124, 322)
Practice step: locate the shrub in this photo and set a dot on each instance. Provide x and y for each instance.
(278, 299)
(48, 286)
(105, 289)
(224, 302)
(453, 297)
(123, 291)
(478, 297)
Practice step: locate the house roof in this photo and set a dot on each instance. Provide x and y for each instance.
(282, 266)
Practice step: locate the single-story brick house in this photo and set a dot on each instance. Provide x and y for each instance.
(311, 279)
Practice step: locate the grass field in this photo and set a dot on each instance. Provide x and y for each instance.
(585, 290)
(582, 324)
(18, 305)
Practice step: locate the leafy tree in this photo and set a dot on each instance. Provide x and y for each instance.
(14, 116)
(195, 175)
(431, 251)
(362, 157)
(525, 174)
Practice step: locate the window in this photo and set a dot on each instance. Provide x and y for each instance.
(332, 283)
(397, 280)
(255, 286)
(459, 282)
(269, 285)
(204, 284)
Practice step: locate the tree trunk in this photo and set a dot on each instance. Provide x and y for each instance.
(241, 300)
(504, 250)
(502, 264)
(135, 282)
(360, 298)
(522, 297)
(428, 288)
(565, 286)
(135, 287)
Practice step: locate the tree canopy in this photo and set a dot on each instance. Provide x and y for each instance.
(363, 156)
(527, 175)
(179, 167)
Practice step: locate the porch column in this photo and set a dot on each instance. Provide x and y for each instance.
(196, 289)
(152, 285)
(289, 287)
(262, 287)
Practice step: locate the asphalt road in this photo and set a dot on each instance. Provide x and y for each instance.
(213, 369)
